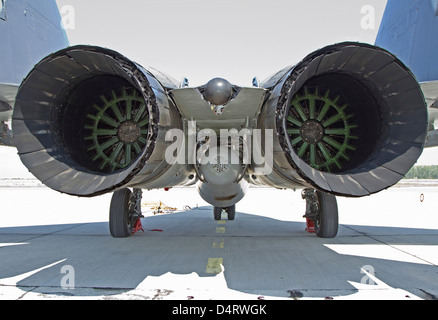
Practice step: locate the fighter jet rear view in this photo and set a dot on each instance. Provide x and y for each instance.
(348, 120)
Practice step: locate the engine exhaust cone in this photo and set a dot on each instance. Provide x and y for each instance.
(351, 119)
(321, 130)
(85, 120)
(117, 130)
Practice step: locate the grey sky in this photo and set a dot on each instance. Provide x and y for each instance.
(234, 39)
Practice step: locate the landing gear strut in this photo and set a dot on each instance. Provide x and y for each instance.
(125, 213)
(6, 135)
(217, 211)
(321, 213)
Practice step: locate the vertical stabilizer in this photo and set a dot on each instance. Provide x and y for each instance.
(29, 31)
(409, 30)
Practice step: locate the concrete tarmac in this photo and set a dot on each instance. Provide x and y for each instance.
(54, 246)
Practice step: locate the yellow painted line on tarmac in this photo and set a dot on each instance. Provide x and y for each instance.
(218, 244)
(214, 265)
(220, 230)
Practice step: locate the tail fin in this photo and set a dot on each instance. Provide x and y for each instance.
(29, 31)
(409, 30)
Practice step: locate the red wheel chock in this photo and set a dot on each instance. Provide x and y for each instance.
(310, 226)
(137, 226)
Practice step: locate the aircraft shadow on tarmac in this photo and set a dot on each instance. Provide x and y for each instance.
(261, 255)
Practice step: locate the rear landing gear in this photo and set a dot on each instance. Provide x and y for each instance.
(231, 211)
(321, 213)
(125, 213)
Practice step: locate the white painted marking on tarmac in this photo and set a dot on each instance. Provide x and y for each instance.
(2, 245)
(172, 286)
(377, 291)
(380, 251)
(12, 281)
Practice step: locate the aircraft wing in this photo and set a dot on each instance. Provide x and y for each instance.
(430, 91)
(7, 101)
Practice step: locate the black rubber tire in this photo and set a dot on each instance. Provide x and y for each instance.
(327, 224)
(119, 224)
(217, 212)
(231, 212)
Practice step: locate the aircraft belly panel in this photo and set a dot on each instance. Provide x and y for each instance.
(193, 106)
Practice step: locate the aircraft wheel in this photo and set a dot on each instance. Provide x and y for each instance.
(231, 212)
(217, 212)
(123, 213)
(327, 220)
